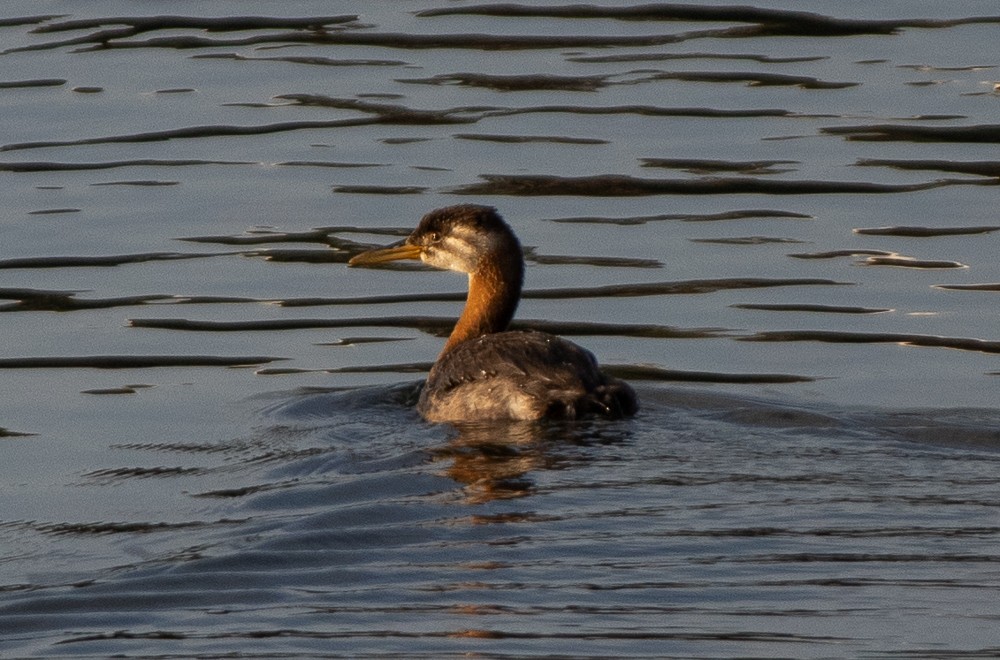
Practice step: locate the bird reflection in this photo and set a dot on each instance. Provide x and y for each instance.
(494, 461)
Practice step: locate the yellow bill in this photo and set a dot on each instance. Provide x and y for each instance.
(382, 255)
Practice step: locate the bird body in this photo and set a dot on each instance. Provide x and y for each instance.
(486, 372)
(520, 375)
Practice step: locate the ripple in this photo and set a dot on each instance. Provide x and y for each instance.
(391, 113)
(981, 133)
(323, 235)
(146, 183)
(703, 166)
(678, 287)
(404, 368)
(803, 307)
(327, 163)
(315, 256)
(133, 25)
(969, 287)
(900, 261)
(516, 82)
(97, 261)
(833, 254)
(111, 391)
(119, 39)
(38, 82)
(618, 185)
(132, 361)
(647, 111)
(686, 217)
(752, 78)
(529, 139)
(189, 132)
(380, 190)
(883, 258)
(54, 211)
(933, 341)
(296, 59)
(591, 83)
(768, 21)
(112, 475)
(596, 261)
(108, 528)
(981, 168)
(8, 433)
(67, 301)
(42, 166)
(138, 24)
(194, 448)
(926, 232)
(353, 341)
(28, 20)
(651, 373)
(746, 240)
(929, 67)
(660, 57)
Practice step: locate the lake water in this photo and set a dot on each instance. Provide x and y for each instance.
(780, 226)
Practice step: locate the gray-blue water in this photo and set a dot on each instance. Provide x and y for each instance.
(783, 223)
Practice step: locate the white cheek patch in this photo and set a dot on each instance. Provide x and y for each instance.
(453, 253)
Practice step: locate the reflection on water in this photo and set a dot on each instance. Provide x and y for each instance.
(771, 220)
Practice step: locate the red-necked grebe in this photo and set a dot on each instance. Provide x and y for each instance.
(485, 371)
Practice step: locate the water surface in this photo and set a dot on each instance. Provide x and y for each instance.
(777, 221)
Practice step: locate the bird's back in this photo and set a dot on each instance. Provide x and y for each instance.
(521, 375)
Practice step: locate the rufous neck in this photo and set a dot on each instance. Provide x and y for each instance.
(494, 291)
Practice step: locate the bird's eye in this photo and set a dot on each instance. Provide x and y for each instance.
(434, 237)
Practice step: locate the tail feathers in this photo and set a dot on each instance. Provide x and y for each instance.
(614, 400)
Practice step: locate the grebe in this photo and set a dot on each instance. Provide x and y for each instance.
(486, 372)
